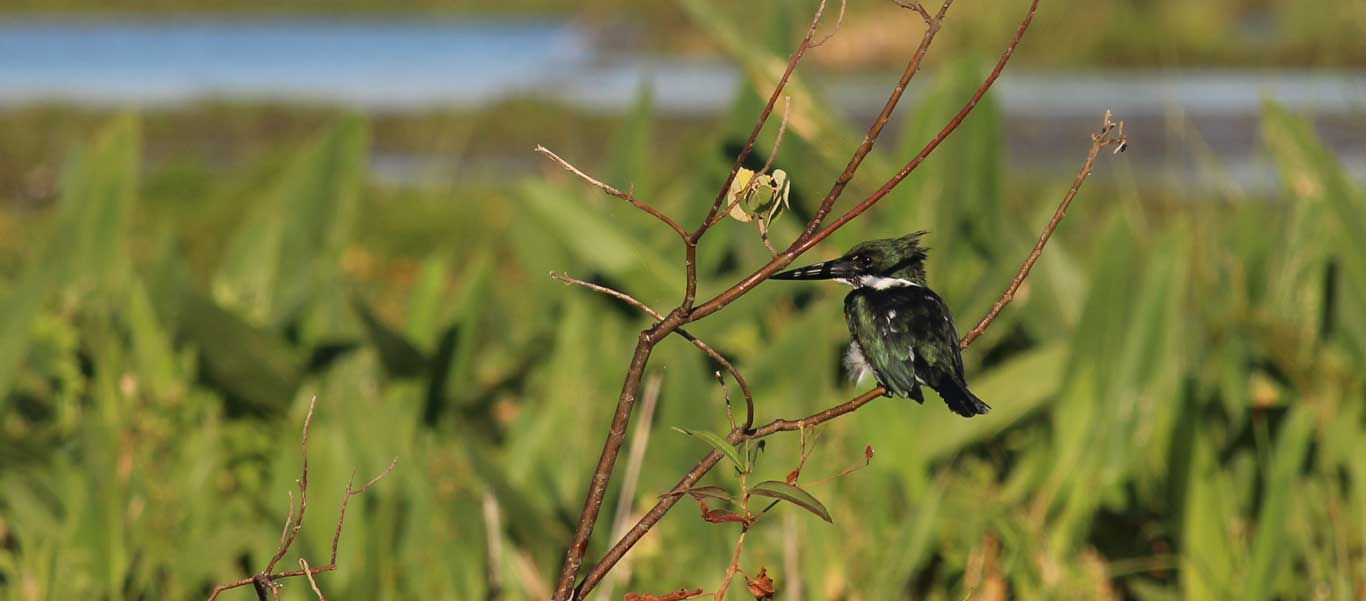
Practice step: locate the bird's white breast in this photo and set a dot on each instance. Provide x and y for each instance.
(856, 364)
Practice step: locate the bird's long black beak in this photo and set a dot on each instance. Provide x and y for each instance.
(829, 270)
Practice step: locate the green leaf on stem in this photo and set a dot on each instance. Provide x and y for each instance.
(792, 494)
(719, 443)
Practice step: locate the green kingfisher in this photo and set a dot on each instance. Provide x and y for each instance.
(902, 331)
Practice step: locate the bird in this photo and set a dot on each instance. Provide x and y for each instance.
(901, 330)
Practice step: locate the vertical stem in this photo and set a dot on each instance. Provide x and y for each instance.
(602, 474)
(635, 458)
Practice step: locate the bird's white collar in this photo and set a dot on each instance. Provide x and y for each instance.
(877, 282)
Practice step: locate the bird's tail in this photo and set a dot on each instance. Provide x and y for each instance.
(961, 400)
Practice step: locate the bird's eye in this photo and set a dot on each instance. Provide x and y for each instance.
(865, 260)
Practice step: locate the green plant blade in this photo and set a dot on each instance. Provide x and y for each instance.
(398, 355)
(719, 443)
(792, 494)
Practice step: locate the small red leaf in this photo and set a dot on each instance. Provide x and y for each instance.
(721, 516)
(793, 475)
(868, 453)
(761, 586)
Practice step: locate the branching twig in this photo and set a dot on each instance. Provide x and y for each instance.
(686, 312)
(754, 179)
(697, 342)
(690, 248)
(839, 20)
(308, 572)
(614, 192)
(917, 7)
(875, 130)
(287, 537)
(804, 243)
(1110, 133)
(690, 479)
(748, 146)
(733, 567)
(266, 580)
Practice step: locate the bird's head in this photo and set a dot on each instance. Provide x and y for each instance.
(880, 264)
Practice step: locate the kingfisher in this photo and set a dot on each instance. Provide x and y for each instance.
(902, 331)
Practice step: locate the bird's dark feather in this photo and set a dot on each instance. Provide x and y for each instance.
(908, 338)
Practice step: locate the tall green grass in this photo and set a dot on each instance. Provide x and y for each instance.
(1178, 395)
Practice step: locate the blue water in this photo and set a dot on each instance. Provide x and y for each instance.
(374, 64)
(404, 64)
(409, 64)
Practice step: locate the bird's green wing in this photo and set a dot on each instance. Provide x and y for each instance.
(932, 327)
(878, 321)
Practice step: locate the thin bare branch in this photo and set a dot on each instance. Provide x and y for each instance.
(266, 580)
(725, 393)
(690, 248)
(289, 519)
(308, 572)
(803, 244)
(1109, 134)
(346, 499)
(686, 313)
(839, 20)
(732, 568)
(635, 460)
(291, 532)
(697, 342)
(768, 164)
(917, 7)
(617, 294)
(792, 62)
(875, 130)
(614, 192)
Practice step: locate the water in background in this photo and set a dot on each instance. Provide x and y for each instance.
(396, 65)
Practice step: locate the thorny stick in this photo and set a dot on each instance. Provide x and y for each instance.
(691, 478)
(614, 192)
(1099, 140)
(697, 342)
(266, 580)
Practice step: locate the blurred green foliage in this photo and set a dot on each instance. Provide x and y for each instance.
(1178, 394)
